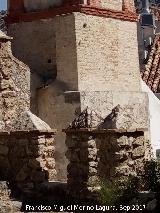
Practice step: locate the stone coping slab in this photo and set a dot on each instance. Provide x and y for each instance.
(102, 131)
(28, 132)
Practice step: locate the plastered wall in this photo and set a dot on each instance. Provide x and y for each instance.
(90, 53)
(112, 4)
(107, 54)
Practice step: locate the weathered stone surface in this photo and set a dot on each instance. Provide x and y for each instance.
(138, 152)
(4, 84)
(92, 153)
(52, 174)
(50, 163)
(138, 141)
(14, 87)
(124, 141)
(93, 181)
(23, 160)
(93, 164)
(122, 155)
(49, 141)
(115, 156)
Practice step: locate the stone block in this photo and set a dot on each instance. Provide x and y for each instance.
(125, 142)
(93, 164)
(92, 153)
(38, 140)
(124, 171)
(49, 151)
(93, 181)
(121, 155)
(49, 141)
(138, 152)
(92, 170)
(89, 144)
(52, 174)
(4, 84)
(139, 141)
(50, 163)
(4, 190)
(9, 102)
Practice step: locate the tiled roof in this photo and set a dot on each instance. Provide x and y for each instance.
(151, 71)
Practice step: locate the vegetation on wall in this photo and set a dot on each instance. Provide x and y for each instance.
(125, 190)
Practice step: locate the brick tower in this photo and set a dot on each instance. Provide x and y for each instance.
(82, 53)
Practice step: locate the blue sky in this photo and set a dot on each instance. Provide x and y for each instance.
(3, 4)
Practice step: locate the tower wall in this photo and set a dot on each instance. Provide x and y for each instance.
(107, 54)
(94, 53)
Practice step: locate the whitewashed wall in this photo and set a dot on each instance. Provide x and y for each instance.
(154, 109)
(36, 5)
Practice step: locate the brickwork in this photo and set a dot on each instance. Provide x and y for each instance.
(97, 8)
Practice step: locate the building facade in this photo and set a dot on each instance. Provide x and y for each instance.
(81, 54)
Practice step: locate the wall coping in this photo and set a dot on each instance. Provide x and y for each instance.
(124, 15)
(103, 131)
(28, 132)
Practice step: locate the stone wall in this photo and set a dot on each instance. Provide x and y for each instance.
(14, 87)
(27, 159)
(97, 155)
(6, 203)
